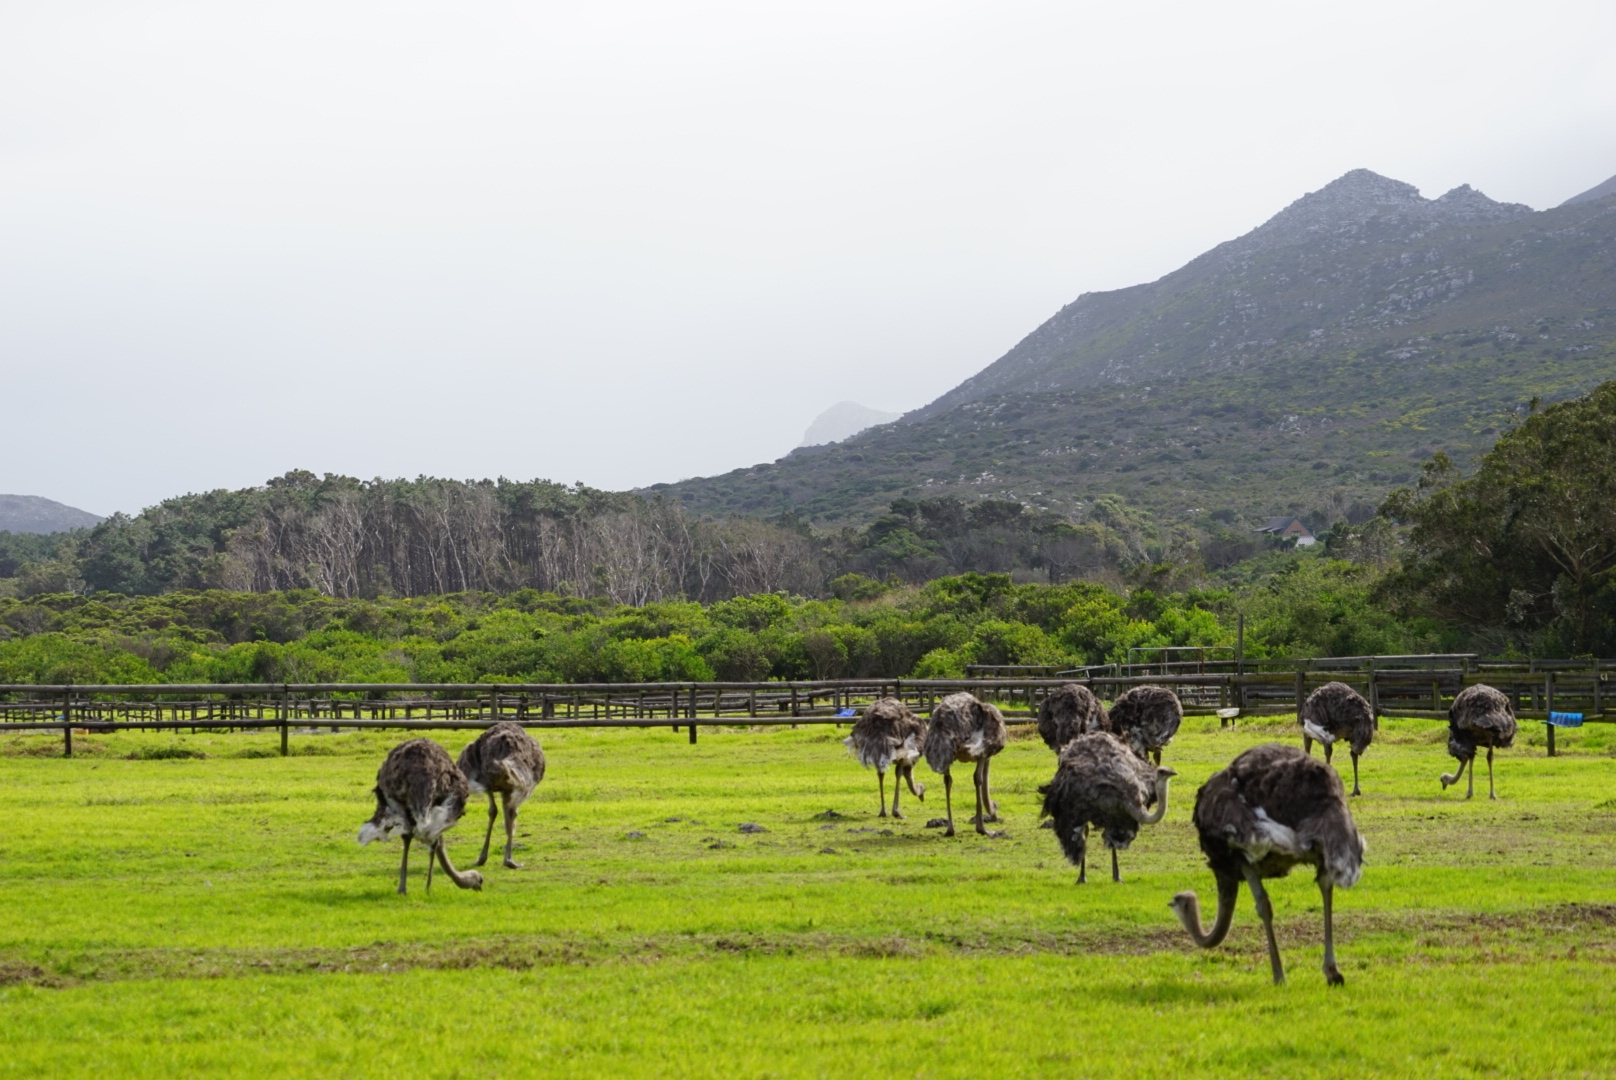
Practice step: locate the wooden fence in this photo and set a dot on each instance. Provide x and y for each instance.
(1395, 686)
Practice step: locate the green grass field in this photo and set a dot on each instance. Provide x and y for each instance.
(215, 915)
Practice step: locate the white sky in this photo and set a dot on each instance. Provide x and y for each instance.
(631, 242)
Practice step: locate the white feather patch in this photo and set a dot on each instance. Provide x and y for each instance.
(1317, 733)
(1270, 836)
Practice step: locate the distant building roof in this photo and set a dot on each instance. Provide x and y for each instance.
(1287, 526)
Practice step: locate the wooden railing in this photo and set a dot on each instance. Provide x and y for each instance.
(1538, 689)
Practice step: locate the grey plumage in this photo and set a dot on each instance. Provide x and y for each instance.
(1101, 781)
(420, 795)
(887, 735)
(1067, 712)
(1147, 718)
(1479, 716)
(1337, 711)
(1272, 809)
(964, 729)
(508, 761)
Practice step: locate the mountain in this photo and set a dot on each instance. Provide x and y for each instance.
(1304, 368)
(843, 420)
(1600, 191)
(32, 514)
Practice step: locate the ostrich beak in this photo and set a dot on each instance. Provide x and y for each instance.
(1164, 772)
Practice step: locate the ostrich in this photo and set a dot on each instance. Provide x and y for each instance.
(506, 759)
(1100, 780)
(1273, 808)
(889, 734)
(420, 794)
(1479, 716)
(1070, 711)
(1337, 711)
(1147, 718)
(964, 729)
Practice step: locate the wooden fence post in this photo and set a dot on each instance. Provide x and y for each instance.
(67, 724)
(1548, 700)
(1301, 689)
(286, 717)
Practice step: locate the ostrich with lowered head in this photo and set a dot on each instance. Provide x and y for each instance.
(1147, 718)
(420, 794)
(1070, 711)
(1101, 781)
(964, 729)
(1273, 808)
(1479, 716)
(1337, 711)
(886, 736)
(507, 760)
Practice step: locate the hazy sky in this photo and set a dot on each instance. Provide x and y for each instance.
(624, 243)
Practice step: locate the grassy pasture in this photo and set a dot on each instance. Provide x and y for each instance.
(167, 914)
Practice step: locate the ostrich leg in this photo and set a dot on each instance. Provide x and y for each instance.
(1307, 744)
(1332, 974)
(1156, 755)
(1491, 794)
(948, 801)
(1470, 788)
(404, 867)
(881, 786)
(1083, 864)
(1265, 911)
(1329, 752)
(429, 853)
(1356, 790)
(493, 812)
(980, 780)
(1116, 873)
(510, 834)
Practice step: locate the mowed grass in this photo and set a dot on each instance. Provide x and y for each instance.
(215, 915)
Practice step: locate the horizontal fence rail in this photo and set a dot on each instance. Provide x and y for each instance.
(1396, 686)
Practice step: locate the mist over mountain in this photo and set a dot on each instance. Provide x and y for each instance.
(1307, 366)
(32, 514)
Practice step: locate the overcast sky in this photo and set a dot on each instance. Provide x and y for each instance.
(623, 242)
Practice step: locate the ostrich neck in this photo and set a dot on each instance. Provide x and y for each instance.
(1161, 805)
(1190, 913)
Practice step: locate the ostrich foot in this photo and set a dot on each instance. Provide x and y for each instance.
(510, 864)
(1332, 975)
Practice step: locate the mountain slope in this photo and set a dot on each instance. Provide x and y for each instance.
(1305, 366)
(32, 514)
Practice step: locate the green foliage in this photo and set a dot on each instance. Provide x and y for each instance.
(1303, 604)
(1524, 549)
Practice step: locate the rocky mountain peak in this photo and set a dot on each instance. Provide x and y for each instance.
(1361, 195)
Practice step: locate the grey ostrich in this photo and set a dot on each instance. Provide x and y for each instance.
(1337, 711)
(964, 729)
(886, 736)
(1273, 808)
(1479, 716)
(1100, 780)
(1070, 711)
(1147, 718)
(507, 760)
(420, 794)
